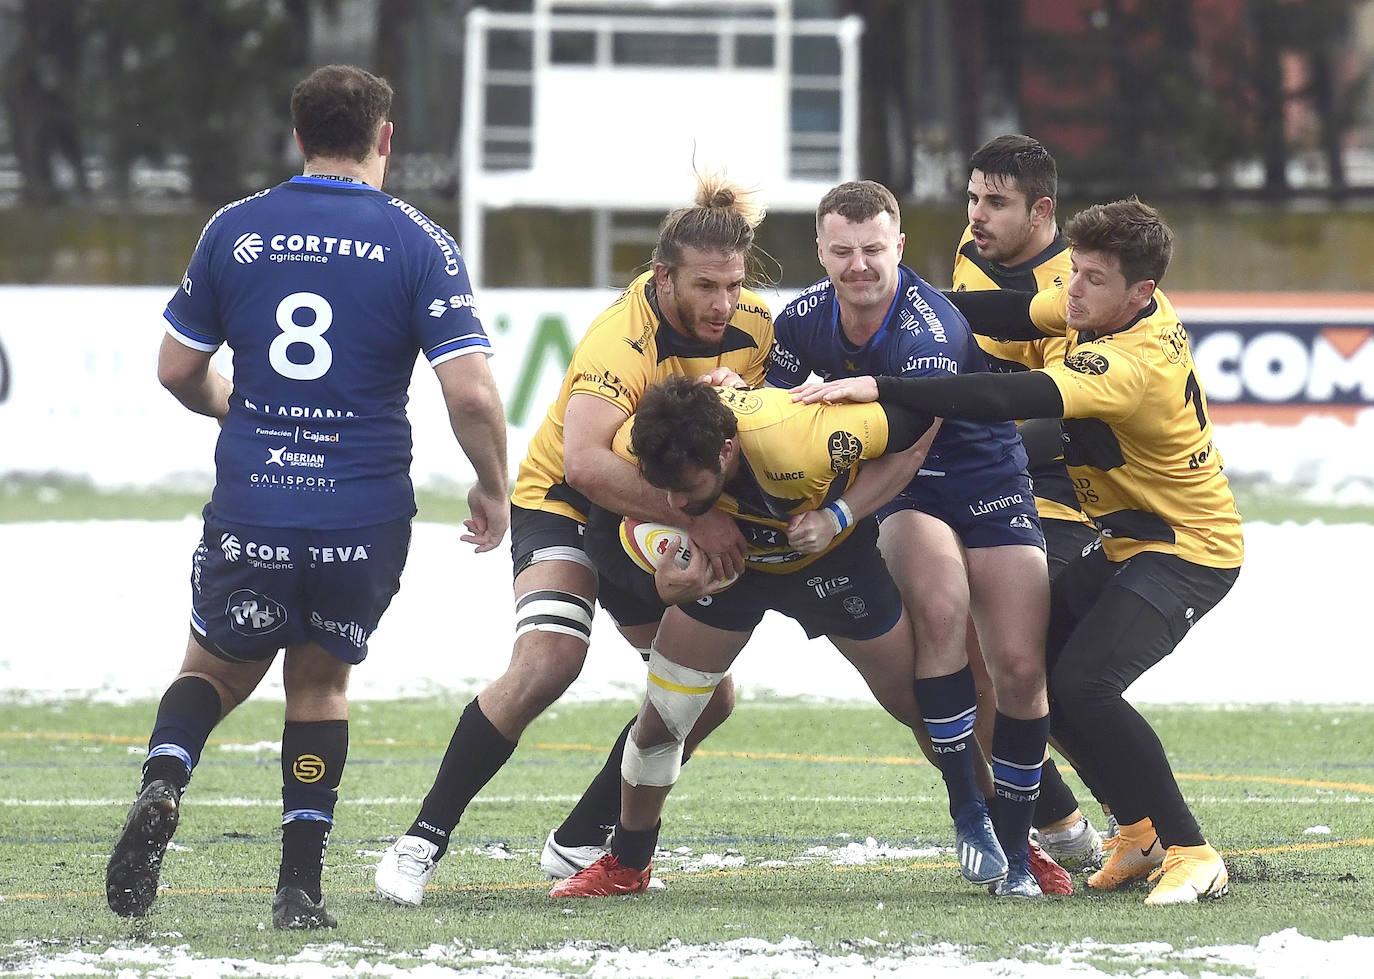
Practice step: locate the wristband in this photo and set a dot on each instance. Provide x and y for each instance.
(840, 513)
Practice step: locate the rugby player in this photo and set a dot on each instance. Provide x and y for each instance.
(689, 314)
(1138, 444)
(1013, 242)
(772, 466)
(325, 289)
(961, 535)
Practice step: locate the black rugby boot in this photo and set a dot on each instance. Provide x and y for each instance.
(131, 875)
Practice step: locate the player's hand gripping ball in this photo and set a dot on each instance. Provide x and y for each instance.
(650, 544)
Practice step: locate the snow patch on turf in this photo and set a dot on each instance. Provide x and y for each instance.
(1283, 955)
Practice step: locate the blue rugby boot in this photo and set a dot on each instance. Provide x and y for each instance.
(981, 859)
(1020, 880)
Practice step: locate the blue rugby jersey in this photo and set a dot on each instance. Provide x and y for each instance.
(922, 336)
(325, 290)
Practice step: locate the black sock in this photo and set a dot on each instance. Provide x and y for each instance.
(949, 705)
(313, 754)
(188, 712)
(475, 753)
(303, 843)
(1018, 748)
(635, 847)
(598, 810)
(1056, 798)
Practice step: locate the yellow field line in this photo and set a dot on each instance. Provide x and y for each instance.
(913, 760)
(876, 867)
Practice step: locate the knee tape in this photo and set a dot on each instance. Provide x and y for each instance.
(658, 765)
(679, 693)
(547, 610)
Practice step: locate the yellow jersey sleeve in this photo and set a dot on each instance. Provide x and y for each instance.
(1098, 380)
(1049, 311)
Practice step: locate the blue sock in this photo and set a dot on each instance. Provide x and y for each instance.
(1018, 749)
(949, 705)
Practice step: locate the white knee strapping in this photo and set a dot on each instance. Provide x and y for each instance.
(658, 765)
(548, 610)
(679, 693)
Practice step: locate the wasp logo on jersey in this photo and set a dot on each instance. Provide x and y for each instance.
(1086, 362)
(845, 451)
(855, 606)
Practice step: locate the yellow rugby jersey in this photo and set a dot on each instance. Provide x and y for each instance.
(1054, 495)
(627, 348)
(794, 457)
(1139, 440)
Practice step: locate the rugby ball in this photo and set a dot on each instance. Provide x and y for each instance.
(650, 544)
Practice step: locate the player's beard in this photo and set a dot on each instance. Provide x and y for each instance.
(698, 328)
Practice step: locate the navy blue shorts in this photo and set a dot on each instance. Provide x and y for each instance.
(981, 513)
(255, 590)
(847, 593)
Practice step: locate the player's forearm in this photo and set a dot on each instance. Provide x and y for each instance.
(479, 424)
(881, 479)
(615, 484)
(206, 394)
(977, 397)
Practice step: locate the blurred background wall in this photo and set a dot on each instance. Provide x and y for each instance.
(125, 123)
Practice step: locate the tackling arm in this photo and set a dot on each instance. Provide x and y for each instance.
(593, 468)
(978, 397)
(1001, 313)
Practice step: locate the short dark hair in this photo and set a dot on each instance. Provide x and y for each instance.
(338, 110)
(679, 422)
(1021, 159)
(1131, 230)
(858, 201)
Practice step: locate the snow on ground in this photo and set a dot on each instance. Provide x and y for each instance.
(1283, 955)
(124, 585)
(114, 596)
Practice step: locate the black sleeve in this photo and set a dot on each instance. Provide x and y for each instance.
(982, 397)
(1043, 440)
(602, 543)
(905, 426)
(1003, 314)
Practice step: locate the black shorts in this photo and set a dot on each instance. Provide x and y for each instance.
(255, 590)
(847, 593)
(1067, 541)
(1181, 591)
(538, 535)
